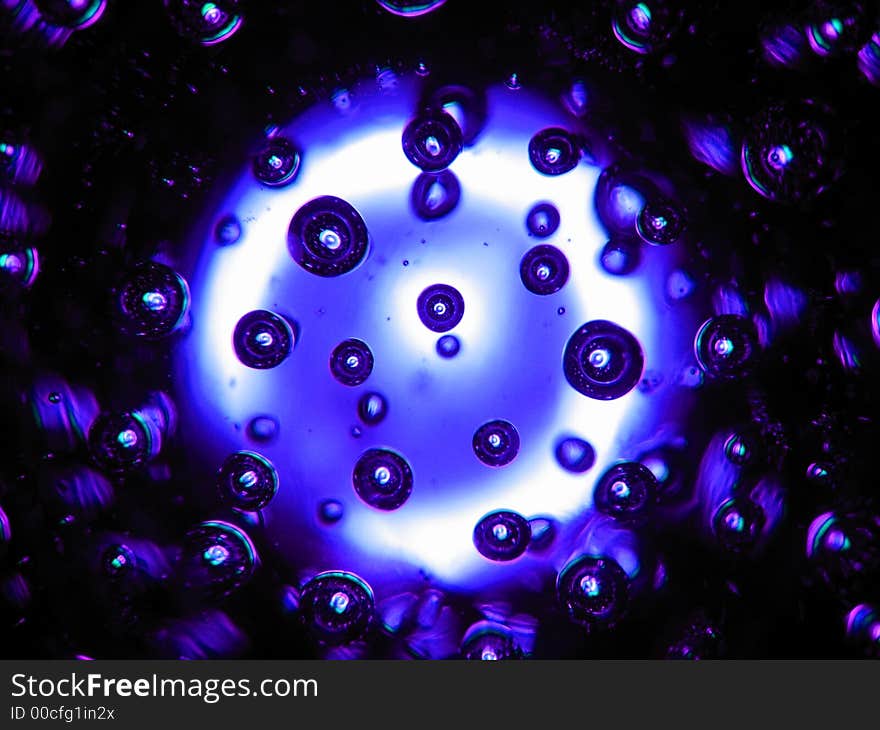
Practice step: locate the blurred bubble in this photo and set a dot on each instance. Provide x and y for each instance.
(448, 346)
(575, 454)
(372, 408)
(620, 256)
(542, 220)
(73, 14)
(331, 511)
(435, 195)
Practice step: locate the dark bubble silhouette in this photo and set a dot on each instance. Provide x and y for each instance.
(351, 362)
(228, 230)
(336, 607)
(151, 301)
(262, 339)
(603, 361)
(432, 141)
(466, 105)
(247, 481)
(382, 478)
(327, 237)
(262, 429)
(544, 270)
(620, 256)
(626, 491)
(496, 443)
(330, 511)
(448, 346)
(554, 151)
(440, 307)
(542, 220)
(372, 408)
(435, 195)
(725, 346)
(644, 27)
(502, 535)
(594, 591)
(575, 454)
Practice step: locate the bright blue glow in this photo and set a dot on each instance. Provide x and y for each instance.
(509, 365)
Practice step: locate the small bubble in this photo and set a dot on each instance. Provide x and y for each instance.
(435, 195)
(737, 524)
(620, 256)
(544, 270)
(247, 481)
(382, 478)
(594, 591)
(208, 23)
(432, 141)
(448, 346)
(330, 511)
(554, 151)
(327, 237)
(626, 491)
(372, 408)
(218, 558)
(660, 222)
(575, 455)
(351, 362)
(502, 535)
(227, 231)
(496, 443)
(440, 307)
(118, 560)
(542, 220)
(262, 428)
(262, 339)
(725, 346)
(603, 361)
(151, 301)
(337, 607)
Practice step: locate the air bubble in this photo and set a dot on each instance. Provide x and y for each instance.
(489, 641)
(603, 361)
(351, 362)
(151, 301)
(337, 607)
(372, 408)
(410, 8)
(594, 591)
(262, 339)
(330, 511)
(327, 237)
(739, 449)
(620, 256)
(19, 265)
(448, 346)
(382, 478)
(277, 163)
(544, 270)
(575, 455)
(432, 141)
(496, 443)
(737, 524)
(207, 23)
(435, 195)
(247, 481)
(72, 14)
(117, 560)
(626, 491)
(725, 346)
(643, 27)
(262, 428)
(502, 535)
(554, 151)
(660, 222)
(218, 558)
(542, 220)
(440, 307)
(123, 441)
(228, 230)
(787, 155)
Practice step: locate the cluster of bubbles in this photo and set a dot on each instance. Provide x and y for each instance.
(601, 555)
